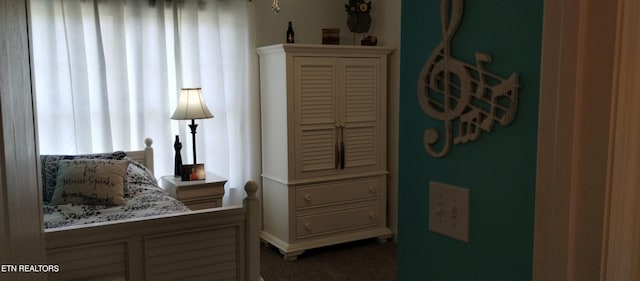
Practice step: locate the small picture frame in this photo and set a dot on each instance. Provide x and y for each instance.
(331, 36)
(193, 172)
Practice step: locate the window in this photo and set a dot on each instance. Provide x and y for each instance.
(107, 75)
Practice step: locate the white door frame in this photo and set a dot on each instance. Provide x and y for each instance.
(21, 230)
(622, 222)
(587, 203)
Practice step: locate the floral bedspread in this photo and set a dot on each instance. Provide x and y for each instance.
(144, 198)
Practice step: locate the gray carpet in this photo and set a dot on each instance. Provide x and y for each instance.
(365, 260)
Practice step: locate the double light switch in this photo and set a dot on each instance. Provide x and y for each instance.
(449, 210)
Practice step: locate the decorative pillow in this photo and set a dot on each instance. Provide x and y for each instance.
(137, 176)
(50, 168)
(90, 182)
(138, 168)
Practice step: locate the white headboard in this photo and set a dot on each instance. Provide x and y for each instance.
(143, 156)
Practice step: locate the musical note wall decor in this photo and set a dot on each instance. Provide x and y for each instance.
(462, 94)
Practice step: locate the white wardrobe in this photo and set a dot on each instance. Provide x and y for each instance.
(324, 157)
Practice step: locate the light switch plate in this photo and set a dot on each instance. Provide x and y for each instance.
(449, 210)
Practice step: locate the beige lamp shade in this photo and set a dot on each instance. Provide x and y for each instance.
(191, 105)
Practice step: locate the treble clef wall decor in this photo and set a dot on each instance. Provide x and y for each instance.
(459, 93)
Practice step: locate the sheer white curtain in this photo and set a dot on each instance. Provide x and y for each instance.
(108, 72)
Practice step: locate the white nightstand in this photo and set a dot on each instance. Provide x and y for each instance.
(197, 194)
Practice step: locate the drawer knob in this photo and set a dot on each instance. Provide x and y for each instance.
(307, 198)
(307, 226)
(372, 189)
(372, 215)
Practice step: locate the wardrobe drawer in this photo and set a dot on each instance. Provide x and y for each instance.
(337, 192)
(337, 221)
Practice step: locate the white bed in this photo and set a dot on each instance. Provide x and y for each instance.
(212, 244)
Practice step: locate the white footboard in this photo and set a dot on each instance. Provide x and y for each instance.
(213, 244)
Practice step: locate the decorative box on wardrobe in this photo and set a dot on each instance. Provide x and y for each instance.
(324, 156)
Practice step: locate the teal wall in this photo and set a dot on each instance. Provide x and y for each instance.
(499, 168)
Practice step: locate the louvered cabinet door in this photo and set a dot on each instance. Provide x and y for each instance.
(315, 116)
(363, 112)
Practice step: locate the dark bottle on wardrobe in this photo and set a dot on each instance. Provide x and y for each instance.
(290, 35)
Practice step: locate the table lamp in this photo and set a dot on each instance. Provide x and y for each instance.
(191, 106)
